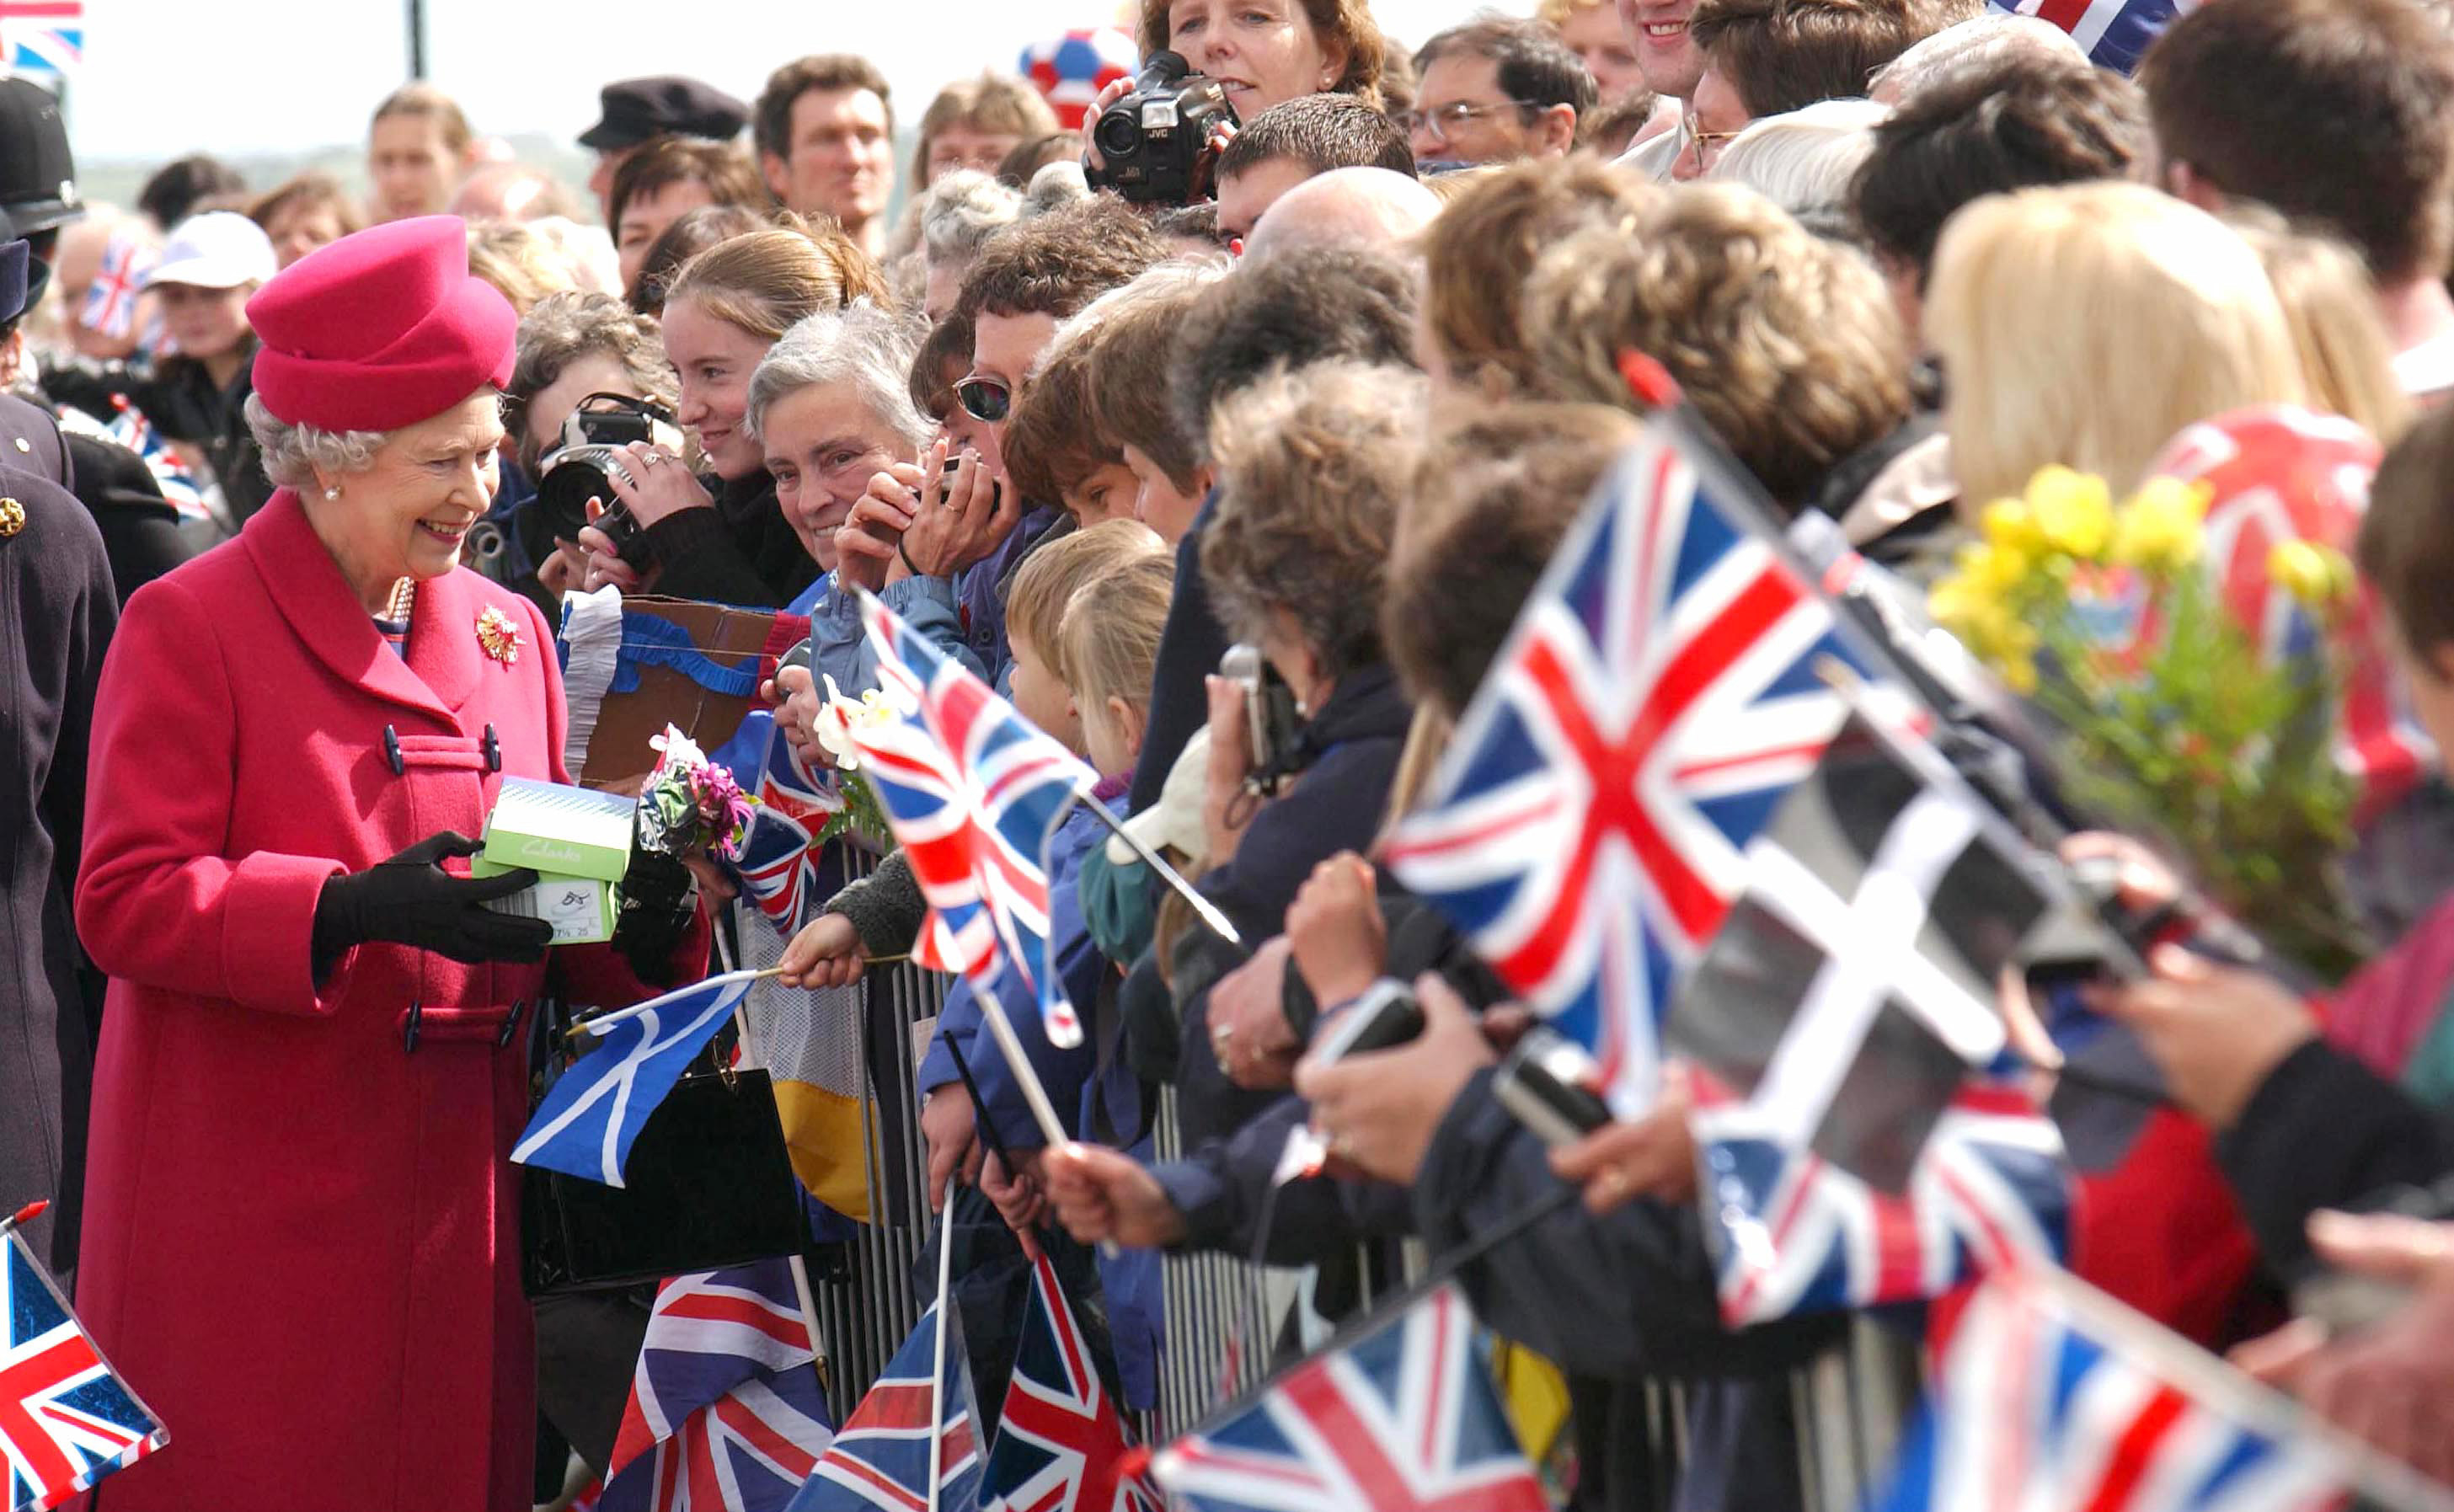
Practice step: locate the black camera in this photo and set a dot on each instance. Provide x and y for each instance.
(1385, 1018)
(590, 457)
(1547, 1083)
(1154, 139)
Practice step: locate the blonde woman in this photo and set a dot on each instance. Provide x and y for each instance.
(2331, 304)
(2086, 324)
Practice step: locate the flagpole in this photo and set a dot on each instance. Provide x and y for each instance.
(937, 1376)
(23, 1216)
(605, 1020)
(1203, 908)
(1042, 1111)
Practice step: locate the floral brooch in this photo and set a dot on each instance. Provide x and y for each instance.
(498, 637)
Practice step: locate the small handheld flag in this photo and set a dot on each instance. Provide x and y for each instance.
(1061, 1443)
(1402, 1419)
(1656, 699)
(66, 1419)
(879, 1462)
(590, 1116)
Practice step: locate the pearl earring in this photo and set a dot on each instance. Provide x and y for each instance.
(332, 493)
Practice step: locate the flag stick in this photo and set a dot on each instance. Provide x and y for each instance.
(602, 1021)
(23, 1216)
(1203, 908)
(937, 1376)
(1042, 1111)
(2378, 1477)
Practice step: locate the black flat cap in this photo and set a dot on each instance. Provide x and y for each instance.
(636, 109)
(37, 172)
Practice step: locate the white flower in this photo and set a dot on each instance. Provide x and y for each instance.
(833, 726)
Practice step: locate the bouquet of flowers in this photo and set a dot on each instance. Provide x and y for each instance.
(688, 800)
(2178, 722)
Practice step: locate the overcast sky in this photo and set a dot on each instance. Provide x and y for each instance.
(167, 76)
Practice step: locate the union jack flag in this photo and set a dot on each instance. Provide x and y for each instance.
(879, 1462)
(2114, 33)
(131, 429)
(1659, 695)
(778, 863)
(66, 1419)
(972, 792)
(2280, 473)
(725, 1414)
(2040, 1409)
(43, 36)
(1849, 1153)
(111, 302)
(1062, 1442)
(1404, 1419)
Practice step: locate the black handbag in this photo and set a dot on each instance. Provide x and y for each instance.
(709, 1184)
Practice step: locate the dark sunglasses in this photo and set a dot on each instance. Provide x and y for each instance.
(987, 400)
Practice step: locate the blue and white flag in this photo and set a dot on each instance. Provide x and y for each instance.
(586, 1125)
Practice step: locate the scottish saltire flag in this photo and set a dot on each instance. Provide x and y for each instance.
(598, 1106)
(1061, 1440)
(1404, 1419)
(111, 302)
(879, 1462)
(2114, 33)
(1659, 695)
(725, 1414)
(66, 1419)
(2037, 1409)
(1861, 1132)
(43, 36)
(974, 792)
(180, 490)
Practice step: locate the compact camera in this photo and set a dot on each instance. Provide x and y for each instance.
(1271, 720)
(590, 457)
(1385, 1018)
(1546, 1084)
(1155, 139)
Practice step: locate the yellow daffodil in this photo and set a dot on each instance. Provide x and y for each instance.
(2073, 510)
(2314, 574)
(2158, 531)
(2008, 524)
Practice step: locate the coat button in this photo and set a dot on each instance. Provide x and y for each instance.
(12, 517)
(24, 445)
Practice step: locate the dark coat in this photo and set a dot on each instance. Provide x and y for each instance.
(56, 615)
(740, 553)
(141, 533)
(31, 441)
(1188, 649)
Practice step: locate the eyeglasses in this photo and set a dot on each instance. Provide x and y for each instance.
(1702, 140)
(1438, 124)
(987, 400)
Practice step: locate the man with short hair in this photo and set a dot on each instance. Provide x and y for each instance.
(2335, 111)
(667, 179)
(633, 112)
(416, 147)
(825, 132)
(1295, 140)
(1497, 90)
(1768, 57)
(1667, 57)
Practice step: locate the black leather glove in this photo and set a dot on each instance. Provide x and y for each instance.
(411, 900)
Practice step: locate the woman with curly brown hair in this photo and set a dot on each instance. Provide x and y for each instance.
(1268, 52)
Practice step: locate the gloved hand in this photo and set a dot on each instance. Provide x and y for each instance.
(411, 900)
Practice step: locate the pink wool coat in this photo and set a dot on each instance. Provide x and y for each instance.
(302, 1239)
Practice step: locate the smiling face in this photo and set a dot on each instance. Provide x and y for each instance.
(1599, 41)
(1657, 30)
(822, 446)
(1263, 52)
(408, 513)
(713, 359)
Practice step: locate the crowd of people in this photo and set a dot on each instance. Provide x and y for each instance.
(286, 558)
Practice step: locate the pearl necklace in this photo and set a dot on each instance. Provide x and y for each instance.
(404, 593)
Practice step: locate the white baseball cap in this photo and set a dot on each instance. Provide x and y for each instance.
(219, 249)
(1176, 819)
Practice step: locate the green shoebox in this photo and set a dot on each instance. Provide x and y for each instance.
(578, 842)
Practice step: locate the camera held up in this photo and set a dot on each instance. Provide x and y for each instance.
(590, 454)
(1154, 140)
